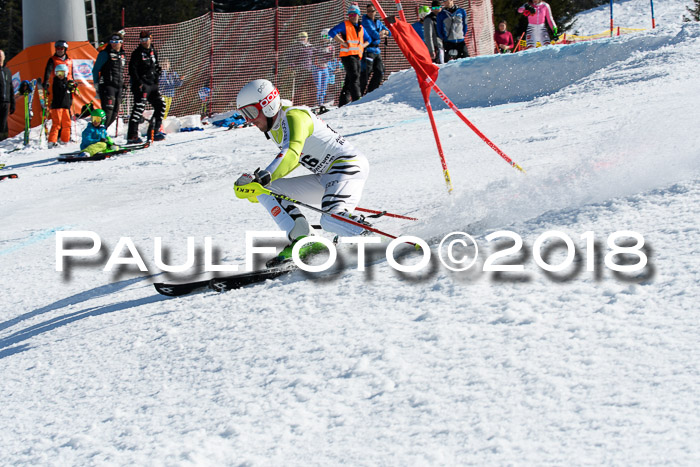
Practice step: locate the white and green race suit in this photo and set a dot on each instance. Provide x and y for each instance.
(338, 176)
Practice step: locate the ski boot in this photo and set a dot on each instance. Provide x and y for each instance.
(285, 256)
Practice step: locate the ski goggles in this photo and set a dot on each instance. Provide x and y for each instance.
(145, 39)
(96, 120)
(251, 111)
(61, 74)
(115, 41)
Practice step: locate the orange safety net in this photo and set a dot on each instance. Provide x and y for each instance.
(217, 54)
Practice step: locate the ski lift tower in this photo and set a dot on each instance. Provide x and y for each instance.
(46, 21)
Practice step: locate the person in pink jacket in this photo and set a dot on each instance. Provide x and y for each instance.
(537, 12)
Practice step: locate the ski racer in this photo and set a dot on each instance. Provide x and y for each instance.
(95, 138)
(537, 13)
(108, 76)
(338, 176)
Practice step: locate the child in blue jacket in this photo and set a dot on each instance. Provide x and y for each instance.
(95, 138)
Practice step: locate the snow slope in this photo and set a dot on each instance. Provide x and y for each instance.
(631, 14)
(377, 367)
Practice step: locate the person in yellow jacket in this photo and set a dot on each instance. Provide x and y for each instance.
(353, 39)
(338, 171)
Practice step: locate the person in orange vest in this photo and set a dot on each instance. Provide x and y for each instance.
(60, 57)
(353, 39)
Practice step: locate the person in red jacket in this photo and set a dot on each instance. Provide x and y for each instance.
(503, 38)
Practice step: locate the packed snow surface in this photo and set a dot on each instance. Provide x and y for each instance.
(635, 14)
(376, 367)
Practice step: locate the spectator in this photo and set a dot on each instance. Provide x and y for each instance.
(430, 35)
(323, 69)
(144, 71)
(7, 96)
(452, 29)
(418, 25)
(169, 82)
(60, 57)
(62, 90)
(108, 76)
(353, 39)
(537, 12)
(503, 38)
(95, 138)
(372, 63)
(301, 61)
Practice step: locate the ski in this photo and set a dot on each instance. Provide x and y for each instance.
(224, 283)
(100, 156)
(4, 176)
(236, 281)
(44, 132)
(25, 88)
(179, 289)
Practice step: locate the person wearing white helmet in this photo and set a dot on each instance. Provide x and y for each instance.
(61, 103)
(338, 171)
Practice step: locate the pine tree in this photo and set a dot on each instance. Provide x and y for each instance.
(694, 12)
(11, 40)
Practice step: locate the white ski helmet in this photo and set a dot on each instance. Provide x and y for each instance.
(259, 94)
(61, 68)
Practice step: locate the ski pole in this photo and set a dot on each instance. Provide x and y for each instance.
(191, 140)
(264, 191)
(384, 213)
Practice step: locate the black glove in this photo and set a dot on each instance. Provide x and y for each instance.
(262, 177)
(530, 8)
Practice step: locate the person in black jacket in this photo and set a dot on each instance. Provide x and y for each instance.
(108, 76)
(7, 96)
(144, 72)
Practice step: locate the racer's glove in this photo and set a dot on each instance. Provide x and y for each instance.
(555, 33)
(529, 8)
(250, 186)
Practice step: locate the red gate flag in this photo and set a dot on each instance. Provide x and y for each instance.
(415, 51)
